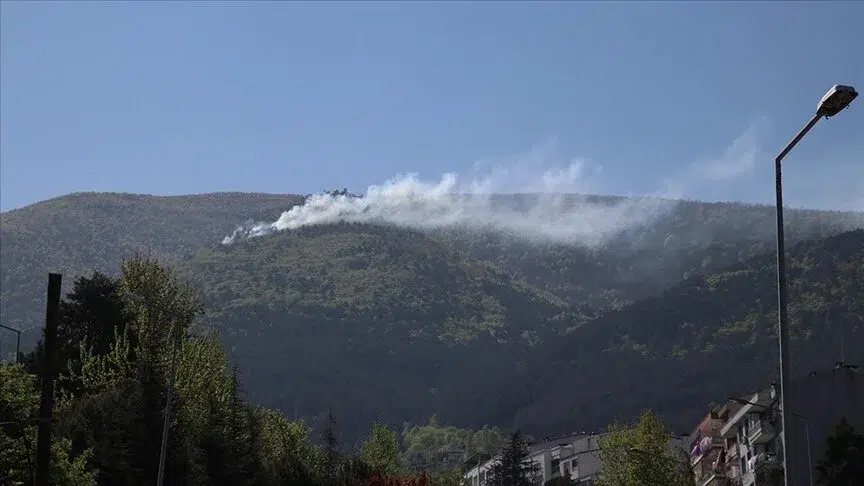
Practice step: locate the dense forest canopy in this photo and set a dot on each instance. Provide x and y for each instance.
(378, 322)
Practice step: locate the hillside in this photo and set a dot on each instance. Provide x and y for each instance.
(384, 322)
(370, 316)
(708, 337)
(82, 232)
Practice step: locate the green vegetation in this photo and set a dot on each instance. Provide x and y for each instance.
(512, 468)
(385, 325)
(112, 392)
(842, 463)
(640, 455)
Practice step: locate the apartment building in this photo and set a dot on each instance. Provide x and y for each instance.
(750, 454)
(737, 443)
(707, 447)
(574, 456)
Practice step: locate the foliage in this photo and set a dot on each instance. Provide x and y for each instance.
(640, 455)
(476, 326)
(843, 462)
(381, 450)
(431, 446)
(116, 390)
(513, 466)
(19, 406)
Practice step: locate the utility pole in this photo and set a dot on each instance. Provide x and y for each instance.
(46, 402)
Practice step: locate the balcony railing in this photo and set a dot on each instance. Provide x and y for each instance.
(760, 431)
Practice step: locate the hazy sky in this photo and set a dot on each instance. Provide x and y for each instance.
(191, 97)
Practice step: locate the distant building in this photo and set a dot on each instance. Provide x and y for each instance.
(575, 456)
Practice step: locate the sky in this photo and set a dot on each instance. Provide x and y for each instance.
(687, 99)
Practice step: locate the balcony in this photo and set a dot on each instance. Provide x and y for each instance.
(764, 469)
(769, 469)
(760, 431)
(704, 446)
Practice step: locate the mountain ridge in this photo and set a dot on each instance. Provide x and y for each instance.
(476, 326)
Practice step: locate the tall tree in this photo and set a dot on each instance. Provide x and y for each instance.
(91, 316)
(330, 454)
(639, 455)
(19, 405)
(381, 450)
(514, 467)
(843, 462)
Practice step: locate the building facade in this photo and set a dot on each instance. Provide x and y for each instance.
(575, 456)
(746, 451)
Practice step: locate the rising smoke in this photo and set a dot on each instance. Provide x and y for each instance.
(552, 211)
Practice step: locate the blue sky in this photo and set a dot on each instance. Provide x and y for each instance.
(291, 97)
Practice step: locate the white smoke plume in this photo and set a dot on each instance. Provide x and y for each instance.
(551, 209)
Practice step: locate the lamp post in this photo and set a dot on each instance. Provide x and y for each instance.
(806, 420)
(17, 342)
(835, 100)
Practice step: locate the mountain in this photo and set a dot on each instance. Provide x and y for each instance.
(709, 337)
(82, 232)
(382, 322)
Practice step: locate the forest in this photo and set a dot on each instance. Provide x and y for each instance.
(475, 328)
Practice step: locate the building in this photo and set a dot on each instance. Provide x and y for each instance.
(574, 455)
(737, 443)
(750, 449)
(707, 447)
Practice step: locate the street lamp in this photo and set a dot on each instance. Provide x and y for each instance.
(17, 343)
(835, 100)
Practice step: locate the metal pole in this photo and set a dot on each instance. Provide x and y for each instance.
(782, 326)
(809, 456)
(46, 402)
(164, 449)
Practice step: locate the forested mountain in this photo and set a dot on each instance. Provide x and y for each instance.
(380, 322)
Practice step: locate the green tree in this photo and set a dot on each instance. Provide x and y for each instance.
(91, 316)
(19, 406)
(843, 462)
(514, 467)
(330, 454)
(381, 450)
(639, 455)
(287, 454)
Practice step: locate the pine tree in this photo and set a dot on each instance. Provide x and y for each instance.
(514, 467)
(331, 446)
